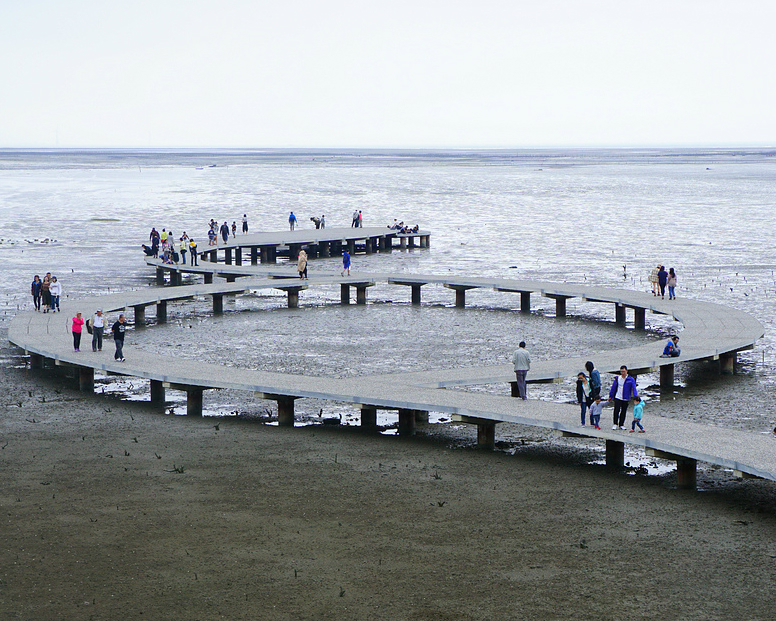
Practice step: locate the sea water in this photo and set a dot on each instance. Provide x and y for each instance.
(597, 217)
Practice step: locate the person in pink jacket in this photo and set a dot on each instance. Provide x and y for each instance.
(78, 325)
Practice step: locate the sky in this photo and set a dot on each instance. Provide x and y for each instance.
(386, 74)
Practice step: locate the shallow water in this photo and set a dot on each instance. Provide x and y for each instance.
(595, 217)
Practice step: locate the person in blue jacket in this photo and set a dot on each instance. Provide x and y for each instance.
(671, 350)
(292, 221)
(622, 391)
(595, 380)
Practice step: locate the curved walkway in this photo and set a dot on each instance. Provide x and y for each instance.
(710, 331)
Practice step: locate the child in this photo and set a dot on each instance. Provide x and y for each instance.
(595, 411)
(583, 395)
(638, 413)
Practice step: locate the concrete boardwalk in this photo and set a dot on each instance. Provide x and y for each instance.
(710, 331)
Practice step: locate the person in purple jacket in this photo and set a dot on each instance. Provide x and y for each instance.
(622, 391)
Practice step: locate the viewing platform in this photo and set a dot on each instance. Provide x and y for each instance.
(711, 332)
(256, 248)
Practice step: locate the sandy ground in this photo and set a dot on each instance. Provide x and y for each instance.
(111, 510)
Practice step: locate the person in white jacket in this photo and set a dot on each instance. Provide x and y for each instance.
(56, 290)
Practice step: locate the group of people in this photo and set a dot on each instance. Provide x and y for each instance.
(622, 393)
(402, 228)
(165, 244)
(660, 279)
(46, 293)
(96, 325)
(588, 392)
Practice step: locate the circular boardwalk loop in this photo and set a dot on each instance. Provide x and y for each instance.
(710, 331)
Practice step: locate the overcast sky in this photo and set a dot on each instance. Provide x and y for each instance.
(374, 73)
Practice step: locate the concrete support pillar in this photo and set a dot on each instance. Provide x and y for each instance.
(285, 411)
(428, 241)
(174, 278)
(218, 303)
(264, 254)
(406, 422)
(159, 276)
(352, 246)
(324, 250)
(403, 243)
(486, 435)
(667, 376)
(238, 256)
(368, 418)
(411, 241)
(615, 454)
(293, 298)
(619, 314)
(230, 278)
(194, 401)
(727, 363)
(86, 379)
(368, 245)
(686, 473)
(560, 307)
(140, 320)
(344, 294)
(361, 295)
(254, 255)
(525, 301)
(421, 416)
(460, 294)
(36, 361)
(640, 318)
(423, 240)
(161, 312)
(416, 294)
(157, 392)
(208, 278)
(381, 244)
(293, 252)
(514, 390)
(228, 256)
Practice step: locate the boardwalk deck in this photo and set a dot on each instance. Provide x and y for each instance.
(710, 331)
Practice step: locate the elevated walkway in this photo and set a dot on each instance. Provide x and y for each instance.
(710, 331)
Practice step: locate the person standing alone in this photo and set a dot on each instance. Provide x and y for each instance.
(522, 362)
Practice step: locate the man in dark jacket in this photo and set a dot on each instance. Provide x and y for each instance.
(119, 329)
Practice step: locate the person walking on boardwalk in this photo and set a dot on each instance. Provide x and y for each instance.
(35, 290)
(77, 329)
(595, 380)
(346, 263)
(119, 330)
(596, 409)
(354, 222)
(45, 292)
(225, 232)
(245, 223)
(234, 228)
(183, 249)
(622, 391)
(522, 362)
(583, 395)
(638, 414)
(662, 280)
(301, 265)
(193, 249)
(98, 328)
(56, 291)
(671, 282)
(292, 221)
(653, 278)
